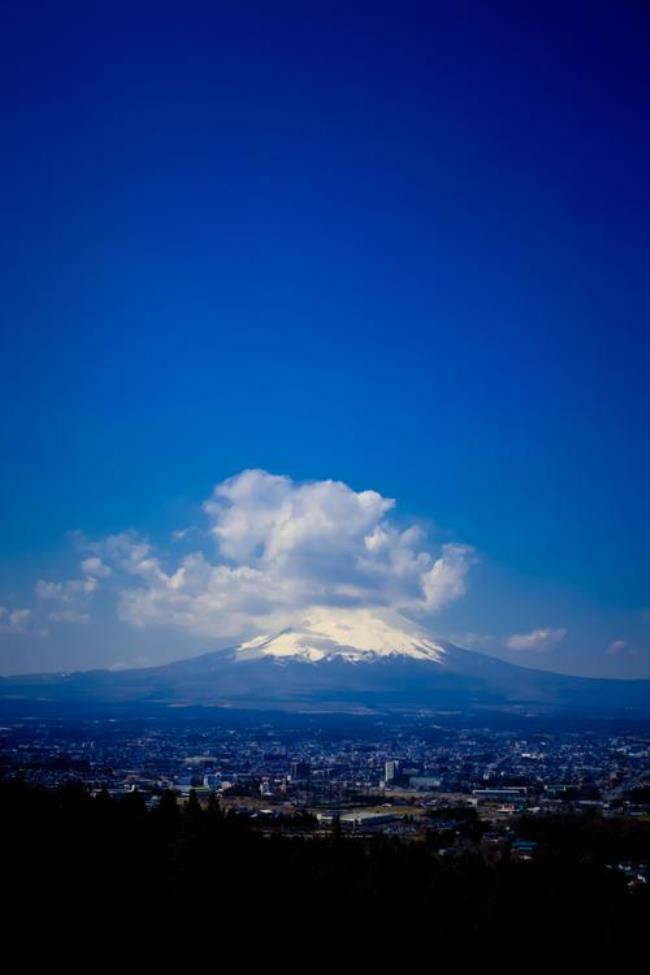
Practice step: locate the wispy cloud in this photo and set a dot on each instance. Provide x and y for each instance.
(67, 591)
(68, 616)
(621, 648)
(616, 647)
(93, 567)
(470, 639)
(73, 595)
(537, 640)
(14, 620)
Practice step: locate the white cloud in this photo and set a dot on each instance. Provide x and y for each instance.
(68, 616)
(73, 594)
(123, 551)
(18, 617)
(272, 549)
(536, 640)
(617, 647)
(260, 518)
(65, 592)
(445, 581)
(15, 620)
(95, 567)
(620, 648)
(470, 639)
(277, 548)
(136, 662)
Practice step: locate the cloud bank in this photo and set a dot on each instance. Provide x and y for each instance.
(272, 548)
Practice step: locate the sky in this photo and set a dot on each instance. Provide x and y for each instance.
(335, 303)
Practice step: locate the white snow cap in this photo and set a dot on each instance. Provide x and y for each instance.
(357, 635)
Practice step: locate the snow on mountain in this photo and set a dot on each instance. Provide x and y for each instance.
(322, 664)
(354, 635)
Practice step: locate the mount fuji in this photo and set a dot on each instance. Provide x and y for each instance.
(343, 660)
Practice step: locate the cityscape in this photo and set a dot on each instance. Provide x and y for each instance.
(468, 787)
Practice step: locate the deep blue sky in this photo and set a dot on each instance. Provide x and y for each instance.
(403, 245)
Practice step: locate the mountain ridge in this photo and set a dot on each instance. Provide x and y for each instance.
(324, 663)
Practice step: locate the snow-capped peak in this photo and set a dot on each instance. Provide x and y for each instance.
(356, 635)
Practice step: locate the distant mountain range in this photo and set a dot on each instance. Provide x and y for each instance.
(352, 661)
